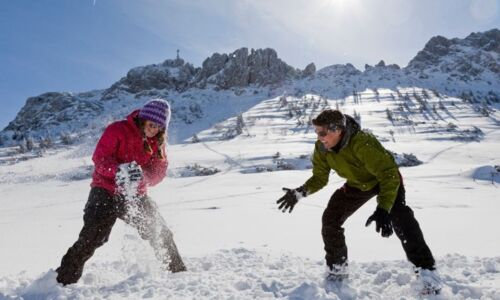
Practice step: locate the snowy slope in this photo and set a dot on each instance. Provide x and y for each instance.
(237, 245)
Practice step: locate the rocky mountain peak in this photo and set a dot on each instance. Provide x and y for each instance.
(242, 68)
(434, 49)
(487, 41)
(338, 70)
(172, 74)
(52, 109)
(224, 71)
(466, 59)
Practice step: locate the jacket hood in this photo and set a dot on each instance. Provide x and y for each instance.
(131, 120)
(352, 127)
(132, 116)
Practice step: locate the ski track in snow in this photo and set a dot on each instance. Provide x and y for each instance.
(231, 196)
(232, 163)
(246, 274)
(228, 158)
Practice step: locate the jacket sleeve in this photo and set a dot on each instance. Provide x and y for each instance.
(105, 153)
(321, 172)
(380, 163)
(156, 169)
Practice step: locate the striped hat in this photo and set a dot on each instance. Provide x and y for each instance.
(156, 110)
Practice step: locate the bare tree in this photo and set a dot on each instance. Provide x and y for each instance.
(66, 139)
(425, 94)
(282, 101)
(485, 111)
(46, 143)
(357, 116)
(436, 93)
(195, 139)
(389, 114)
(441, 104)
(240, 124)
(377, 94)
(236, 129)
(28, 142)
(21, 147)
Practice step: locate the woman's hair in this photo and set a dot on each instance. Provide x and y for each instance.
(160, 138)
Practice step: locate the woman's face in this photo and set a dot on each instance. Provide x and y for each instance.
(151, 128)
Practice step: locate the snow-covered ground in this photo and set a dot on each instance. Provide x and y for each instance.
(236, 243)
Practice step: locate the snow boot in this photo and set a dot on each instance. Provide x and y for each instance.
(335, 280)
(336, 273)
(430, 282)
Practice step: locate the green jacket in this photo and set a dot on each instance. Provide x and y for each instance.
(362, 160)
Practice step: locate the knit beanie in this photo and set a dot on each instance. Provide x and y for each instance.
(156, 110)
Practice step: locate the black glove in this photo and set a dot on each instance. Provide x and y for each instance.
(135, 172)
(291, 198)
(382, 221)
(129, 172)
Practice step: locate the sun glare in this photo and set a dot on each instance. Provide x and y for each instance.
(339, 4)
(342, 6)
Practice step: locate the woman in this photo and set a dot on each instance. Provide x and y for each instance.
(129, 157)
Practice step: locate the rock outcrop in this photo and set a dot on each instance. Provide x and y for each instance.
(52, 109)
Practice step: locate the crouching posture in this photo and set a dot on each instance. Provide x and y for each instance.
(129, 157)
(370, 170)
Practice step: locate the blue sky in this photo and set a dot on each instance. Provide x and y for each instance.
(80, 45)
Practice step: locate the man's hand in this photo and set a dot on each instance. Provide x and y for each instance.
(382, 221)
(291, 198)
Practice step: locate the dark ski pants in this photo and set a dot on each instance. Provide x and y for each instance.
(100, 214)
(346, 200)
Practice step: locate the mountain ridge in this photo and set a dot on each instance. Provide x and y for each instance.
(468, 67)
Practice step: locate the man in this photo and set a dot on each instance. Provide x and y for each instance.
(370, 170)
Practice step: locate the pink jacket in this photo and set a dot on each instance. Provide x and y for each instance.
(122, 142)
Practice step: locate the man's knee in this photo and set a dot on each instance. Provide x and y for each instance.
(401, 212)
(331, 220)
(332, 229)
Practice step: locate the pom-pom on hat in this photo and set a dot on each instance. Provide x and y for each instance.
(156, 110)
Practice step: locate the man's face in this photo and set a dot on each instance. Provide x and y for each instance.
(329, 138)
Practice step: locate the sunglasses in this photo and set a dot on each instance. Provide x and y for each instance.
(322, 133)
